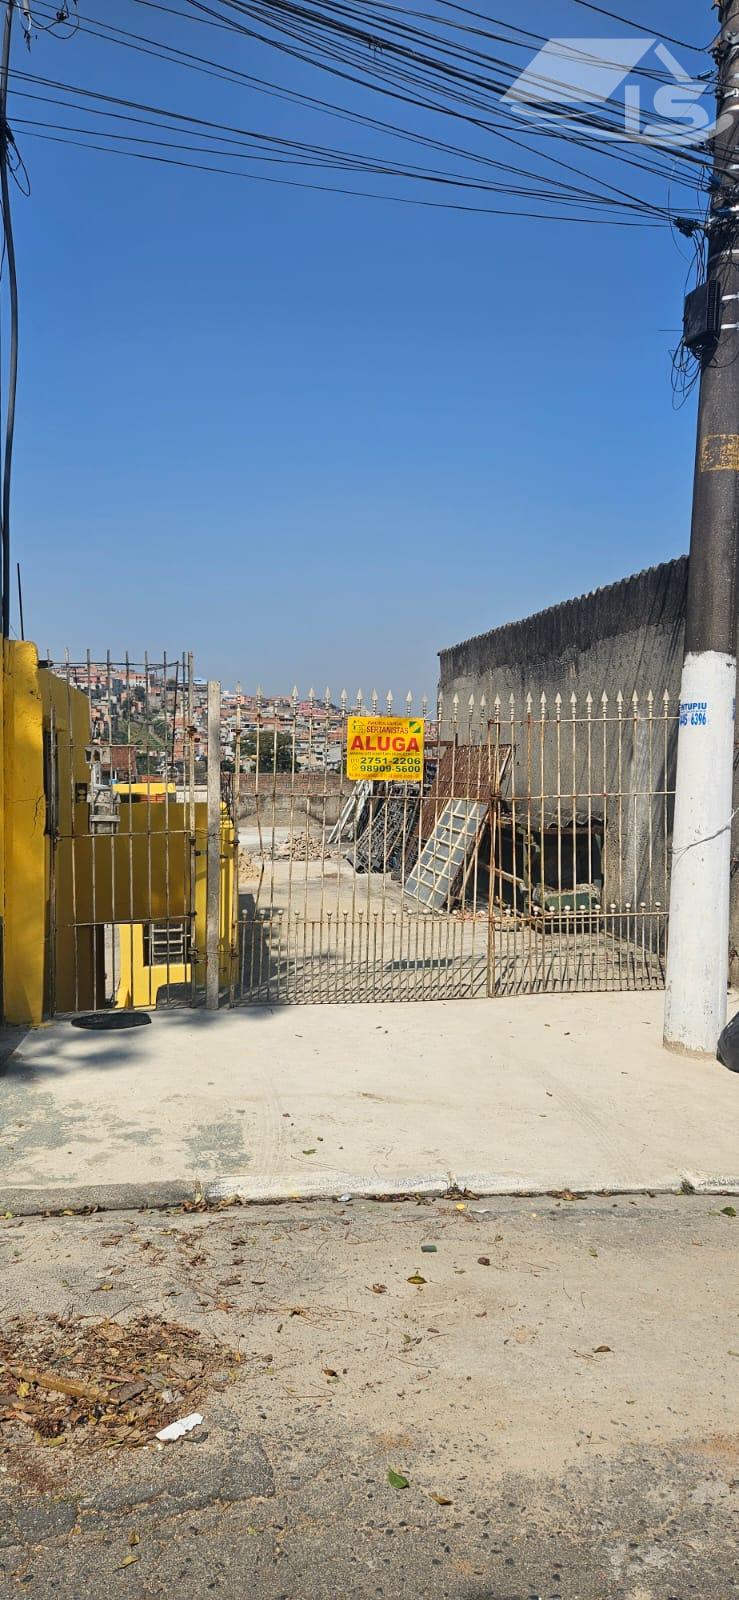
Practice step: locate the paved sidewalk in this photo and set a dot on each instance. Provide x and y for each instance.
(530, 1094)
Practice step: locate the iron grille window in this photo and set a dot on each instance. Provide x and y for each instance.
(167, 943)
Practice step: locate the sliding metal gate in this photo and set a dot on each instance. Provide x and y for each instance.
(532, 857)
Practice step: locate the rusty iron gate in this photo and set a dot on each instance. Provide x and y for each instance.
(533, 858)
(207, 847)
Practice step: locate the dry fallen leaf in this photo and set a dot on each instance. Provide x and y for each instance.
(441, 1499)
(379, 1288)
(128, 1561)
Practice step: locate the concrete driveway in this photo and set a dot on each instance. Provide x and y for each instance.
(529, 1094)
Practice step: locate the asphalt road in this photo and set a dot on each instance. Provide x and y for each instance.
(561, 1394)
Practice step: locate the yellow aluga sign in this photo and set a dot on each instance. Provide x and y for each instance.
(385, 747)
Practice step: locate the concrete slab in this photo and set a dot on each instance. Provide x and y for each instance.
(507, 1096)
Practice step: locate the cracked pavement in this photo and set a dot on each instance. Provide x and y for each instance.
(561, 1393)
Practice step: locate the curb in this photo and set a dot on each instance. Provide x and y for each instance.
(283, 1190)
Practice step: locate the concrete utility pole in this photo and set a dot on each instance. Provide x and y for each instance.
(698, 953)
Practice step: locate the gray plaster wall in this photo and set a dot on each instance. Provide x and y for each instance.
(628, 637)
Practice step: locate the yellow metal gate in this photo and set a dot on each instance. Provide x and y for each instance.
(128, 832)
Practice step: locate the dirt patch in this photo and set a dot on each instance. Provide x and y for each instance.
(719, 1447)
(103, 1385)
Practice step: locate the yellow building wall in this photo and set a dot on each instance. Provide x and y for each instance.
(24, 844)
(37, 705)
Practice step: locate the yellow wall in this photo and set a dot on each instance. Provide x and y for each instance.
(24, 843)
(33, 701)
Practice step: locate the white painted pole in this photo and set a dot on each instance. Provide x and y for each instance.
(213, 889)
(698, 931)
(698, 949)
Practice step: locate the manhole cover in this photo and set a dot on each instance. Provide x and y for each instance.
(103, 1020)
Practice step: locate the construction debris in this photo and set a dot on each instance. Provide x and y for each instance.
(302, 847)
(104, 1385)
(177, 1430)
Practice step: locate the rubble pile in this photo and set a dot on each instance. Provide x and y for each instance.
(303, 847)
(248, 866)
(105, 1385)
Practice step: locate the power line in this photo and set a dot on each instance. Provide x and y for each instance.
(296, 150)
(364, 194)
(336, 36)
(482, 124)
(627, 22)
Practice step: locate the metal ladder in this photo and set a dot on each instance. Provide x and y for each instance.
(351, 810)
(445, 853)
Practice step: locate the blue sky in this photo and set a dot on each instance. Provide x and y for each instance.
(313, 438)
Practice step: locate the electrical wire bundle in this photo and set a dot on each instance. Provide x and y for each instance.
(449, 67)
